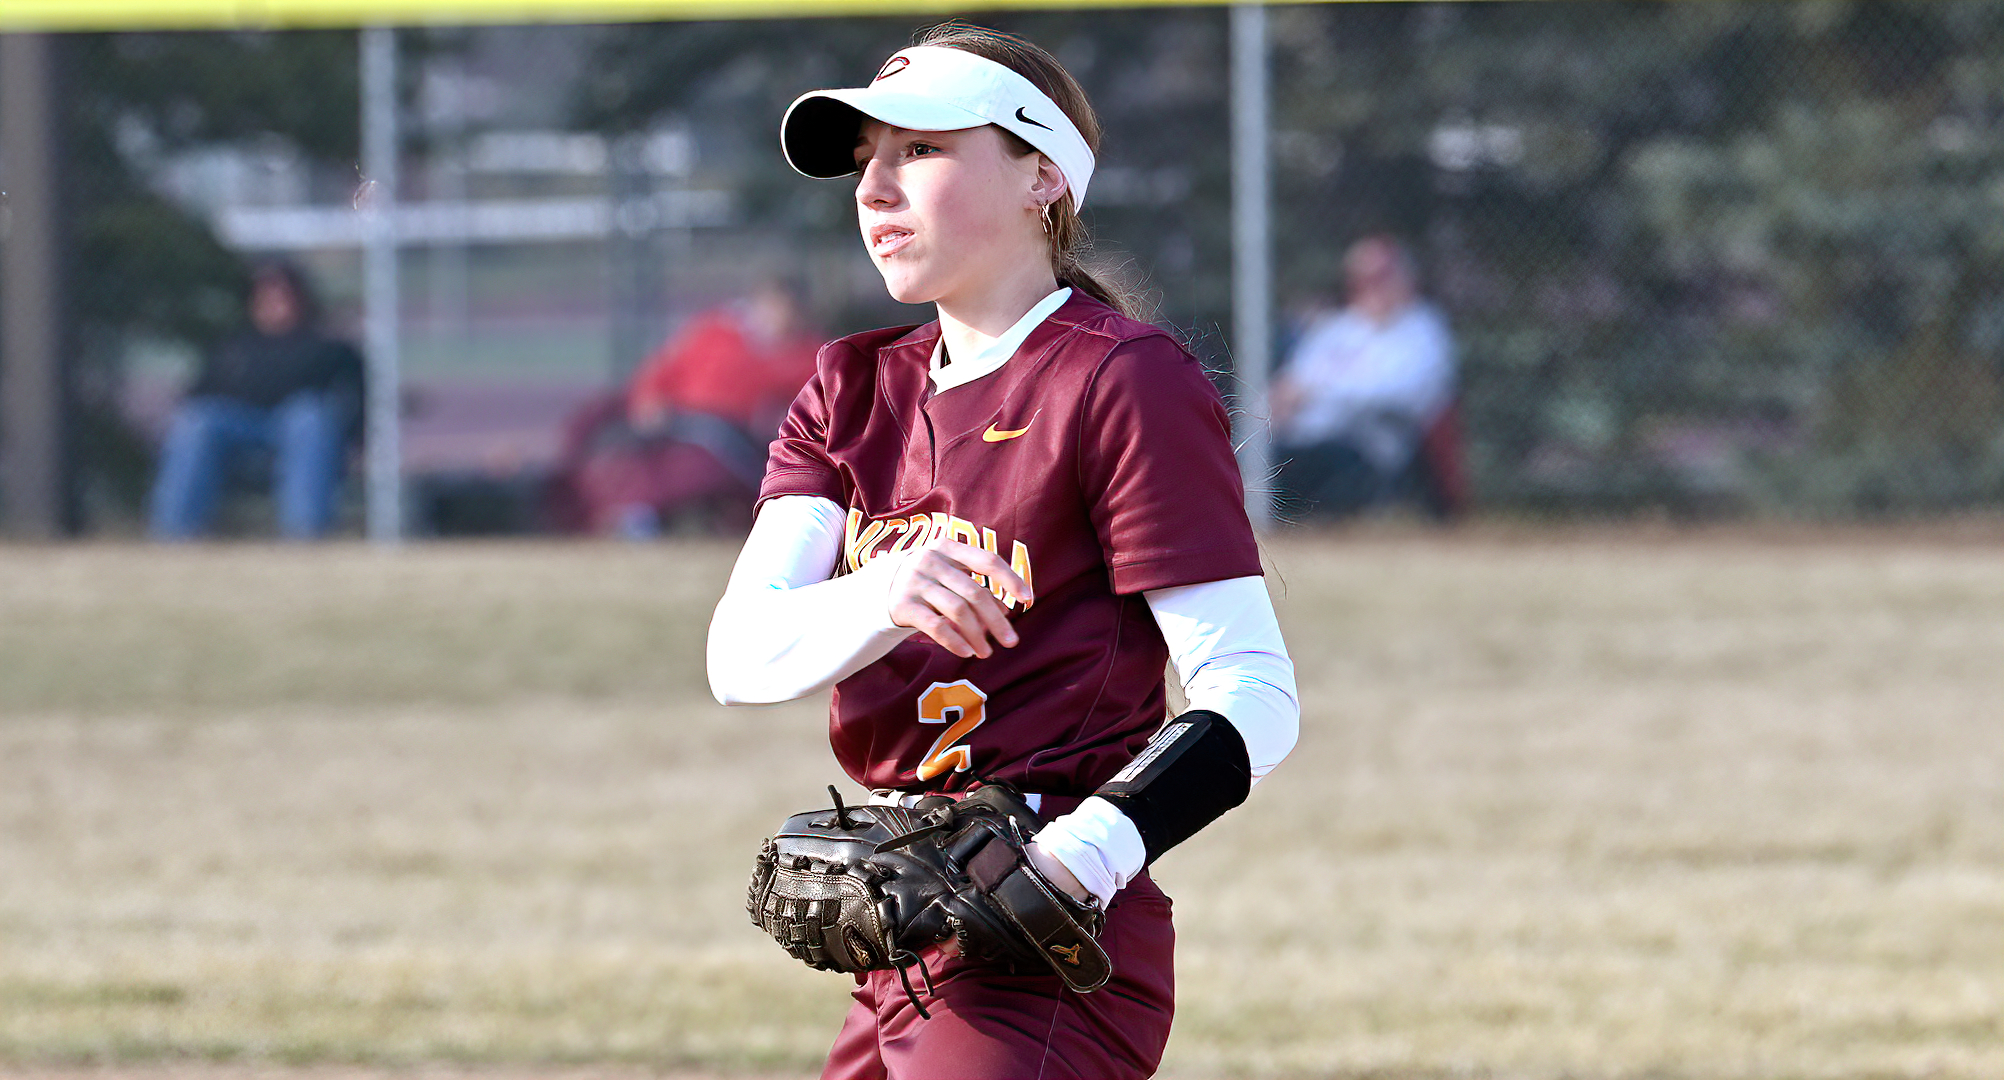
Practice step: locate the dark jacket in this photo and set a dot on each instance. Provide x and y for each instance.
(263, 370)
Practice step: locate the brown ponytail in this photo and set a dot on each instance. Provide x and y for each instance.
(1069, 238)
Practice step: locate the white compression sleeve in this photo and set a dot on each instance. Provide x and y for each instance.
(1226, 645)
(784, 629)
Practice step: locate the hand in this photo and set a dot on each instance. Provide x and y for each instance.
(1054, 869)
(648, 415)
(934, 592)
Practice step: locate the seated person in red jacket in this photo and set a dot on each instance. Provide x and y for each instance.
(698, 416)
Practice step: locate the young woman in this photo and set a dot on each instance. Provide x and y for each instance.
(989, 533)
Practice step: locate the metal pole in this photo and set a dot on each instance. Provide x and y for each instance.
(379, 284)
(1252, 256)
(33, 391)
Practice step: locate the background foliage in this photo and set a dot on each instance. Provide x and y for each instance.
(1702, 259)
(1709, 258)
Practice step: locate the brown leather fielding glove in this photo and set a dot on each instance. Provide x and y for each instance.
(866, 888)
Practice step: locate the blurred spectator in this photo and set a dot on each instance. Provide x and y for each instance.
(1363, 411)
(690, 432)
(280, 392)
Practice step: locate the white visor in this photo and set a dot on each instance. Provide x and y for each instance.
(932, 88)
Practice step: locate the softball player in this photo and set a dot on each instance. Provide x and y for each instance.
(989, 533)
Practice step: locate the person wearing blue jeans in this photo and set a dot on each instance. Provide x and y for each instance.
(303, 435)
(280, 389)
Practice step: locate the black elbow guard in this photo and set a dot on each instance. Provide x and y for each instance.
(1188, 775)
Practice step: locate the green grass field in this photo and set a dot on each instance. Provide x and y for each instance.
(1587, 805)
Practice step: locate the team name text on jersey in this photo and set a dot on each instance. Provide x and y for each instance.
(862, 542)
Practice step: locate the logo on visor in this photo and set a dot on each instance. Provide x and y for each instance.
(892, 66)
(1020, 115)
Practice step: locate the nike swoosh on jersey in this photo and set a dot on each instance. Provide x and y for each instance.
(995, 435)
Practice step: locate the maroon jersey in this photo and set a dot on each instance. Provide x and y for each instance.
(1097, 462)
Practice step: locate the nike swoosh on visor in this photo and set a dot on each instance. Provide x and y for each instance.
(1024, 117)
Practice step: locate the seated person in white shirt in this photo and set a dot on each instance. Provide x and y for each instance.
(1358, 394)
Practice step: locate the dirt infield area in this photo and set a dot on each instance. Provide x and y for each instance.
(1588, 805)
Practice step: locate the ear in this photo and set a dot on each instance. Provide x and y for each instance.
(1049, 185)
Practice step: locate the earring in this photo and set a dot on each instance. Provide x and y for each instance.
(1044, 211)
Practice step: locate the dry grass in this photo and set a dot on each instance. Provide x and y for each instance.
(1573, 806)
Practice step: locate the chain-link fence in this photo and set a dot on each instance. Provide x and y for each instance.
(1740, 258)
(1707, 260)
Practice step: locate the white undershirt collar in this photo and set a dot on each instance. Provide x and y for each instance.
(989, 359)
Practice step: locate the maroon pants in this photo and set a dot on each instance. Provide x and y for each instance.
(990, 1025)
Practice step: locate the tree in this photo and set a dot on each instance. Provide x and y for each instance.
(1703, 257)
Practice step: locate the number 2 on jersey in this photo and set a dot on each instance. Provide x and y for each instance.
(962, 707)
